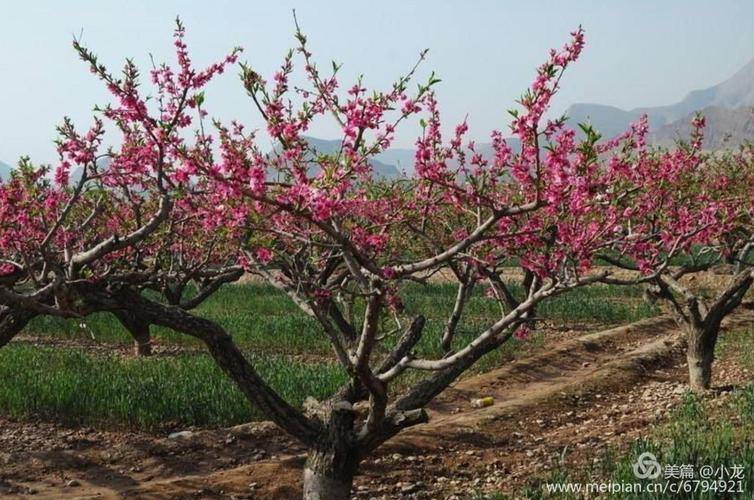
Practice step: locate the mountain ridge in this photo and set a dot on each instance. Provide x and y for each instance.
(733, 93)
(725, 128)
(728, 107)
(328, 146)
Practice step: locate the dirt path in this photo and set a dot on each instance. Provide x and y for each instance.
(578, 396)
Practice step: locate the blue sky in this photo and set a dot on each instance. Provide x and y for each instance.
(638, 52)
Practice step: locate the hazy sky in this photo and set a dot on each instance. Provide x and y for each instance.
(638, 52)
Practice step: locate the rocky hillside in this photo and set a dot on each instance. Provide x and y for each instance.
(726, 128)
(727, 104)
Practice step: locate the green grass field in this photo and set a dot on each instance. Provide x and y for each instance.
(79, 386)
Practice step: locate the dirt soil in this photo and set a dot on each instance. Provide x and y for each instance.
(567, 403)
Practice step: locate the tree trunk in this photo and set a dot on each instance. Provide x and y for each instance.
(327, 476)
(332, 463)
(142, 342)
(12, 321)
(700, 354)
(139, 330)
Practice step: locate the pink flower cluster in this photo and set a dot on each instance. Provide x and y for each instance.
(554, 204)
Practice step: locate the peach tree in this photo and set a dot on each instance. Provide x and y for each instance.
(169, 207)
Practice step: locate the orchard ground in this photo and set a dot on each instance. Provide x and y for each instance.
(570, 404)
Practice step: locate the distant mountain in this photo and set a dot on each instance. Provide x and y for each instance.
(735, 93)
(401, 159)
(324, 146)
(5, 171)
(725, 128)
(608, 120)
(74, 176)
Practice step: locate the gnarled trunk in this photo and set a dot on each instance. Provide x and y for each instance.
(139, 330)
(700, 354)
(328, 475)
(700, 320)
(332, 462)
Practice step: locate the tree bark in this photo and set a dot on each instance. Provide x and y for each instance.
(333, 460)
(327, 476)
(700, 321)
(465, 289)
(139, 330)
(700, 354)
(12, 321)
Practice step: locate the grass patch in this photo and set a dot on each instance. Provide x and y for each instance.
(73, 387)
(738, 344)
(260, 317)
(76, 387)
(607, 309)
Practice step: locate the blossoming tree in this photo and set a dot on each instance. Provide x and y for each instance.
(692, 213)
(341, 244)
(127, 217)
(335, 240)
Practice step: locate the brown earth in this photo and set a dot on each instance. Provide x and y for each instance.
(562, 405)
